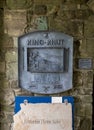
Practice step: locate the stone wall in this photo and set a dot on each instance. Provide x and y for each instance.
(73, 17)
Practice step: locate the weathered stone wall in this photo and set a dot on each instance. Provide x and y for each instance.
(73, 17)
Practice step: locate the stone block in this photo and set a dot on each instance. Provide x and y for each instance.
(2, 116)
(74, 28)
(52, 10)
(16, 4)
(69, 6)
(2, 67)
(83, 78)
(89, 27)
(2, 54)
(2, 76)
(73, 14)
(83, 109)
(88, 110)
(7, 41)
(8, 108)
(85, 91)
(12, 71)
(79, 109)
(1, 14)
(14, 22)
(82, 48)
(86, 124)
(9, 117)
(17, 91)
(86, 98)
(6, 84)
(5, 126)
(54, 2)
(1, 3)
(91, 4)
(88, 85)
(79, 92)
(11, 56)
(89, 91)
(6, 96)
(87, 81)
(14, 84)
(1, 23)
(77, 122)
(78, 78)
(90, 47)
(81, 1)
(40, 9)
(76, 1)
(15, 42)
(37, 23)
(90, 76)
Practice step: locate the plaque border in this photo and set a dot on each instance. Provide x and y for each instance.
(68, 42)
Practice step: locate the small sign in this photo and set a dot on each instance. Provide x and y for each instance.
(56, 99)
(85, 63)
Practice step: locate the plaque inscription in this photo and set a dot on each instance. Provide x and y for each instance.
(45, 62)
(85, 63)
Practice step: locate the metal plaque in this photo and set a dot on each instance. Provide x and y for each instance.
(85, 63)
(45, 62)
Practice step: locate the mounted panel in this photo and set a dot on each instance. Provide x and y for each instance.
(39, 113)
(45, 62)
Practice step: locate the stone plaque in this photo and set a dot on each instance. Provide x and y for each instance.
(85, 63)
(43, 116)
(45, 62)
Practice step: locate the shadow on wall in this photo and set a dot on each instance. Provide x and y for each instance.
(1, 26)
(1, 50)
(93, 105)
(76, 48)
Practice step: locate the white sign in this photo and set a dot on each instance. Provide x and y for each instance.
(44, 116)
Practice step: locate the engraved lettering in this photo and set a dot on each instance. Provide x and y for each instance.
(41, 42)
(46, 88)
(44, 121)
(28, 42)
(33, 86)
(58, 86)
(47, 78)
(49, 42)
